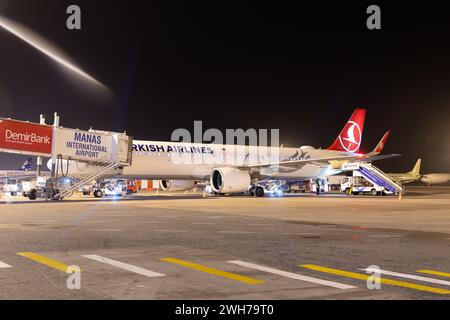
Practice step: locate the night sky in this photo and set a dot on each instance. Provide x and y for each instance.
(302, 69)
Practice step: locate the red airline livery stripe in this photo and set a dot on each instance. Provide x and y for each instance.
(25, 137)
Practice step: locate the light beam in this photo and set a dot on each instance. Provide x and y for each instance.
(46, 48)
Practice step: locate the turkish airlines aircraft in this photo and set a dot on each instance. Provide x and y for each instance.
(249, 164)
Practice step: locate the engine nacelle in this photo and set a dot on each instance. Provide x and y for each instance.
(230, 180)
(176, 185)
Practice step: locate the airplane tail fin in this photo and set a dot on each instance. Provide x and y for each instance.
(416, 169)
(350, 138)
(382, 143)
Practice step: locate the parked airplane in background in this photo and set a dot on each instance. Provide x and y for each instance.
(154, 160)
(414, 175)
(408, 177)
(21, 173)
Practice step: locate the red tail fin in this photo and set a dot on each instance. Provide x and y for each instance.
(382, 143)
(350, 138)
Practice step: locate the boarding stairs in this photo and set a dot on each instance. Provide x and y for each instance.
(91, 172)
(378, 177)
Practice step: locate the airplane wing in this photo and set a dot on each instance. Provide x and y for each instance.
(380, 157)
(300, 163)
(297, 164)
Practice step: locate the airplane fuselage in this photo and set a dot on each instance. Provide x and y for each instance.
(173, 160)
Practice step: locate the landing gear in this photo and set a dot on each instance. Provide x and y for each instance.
(251, 191)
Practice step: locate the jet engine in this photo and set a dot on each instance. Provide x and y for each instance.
(230, 180)
(177, 185)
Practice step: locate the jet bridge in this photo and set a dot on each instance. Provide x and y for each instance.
(93, 153)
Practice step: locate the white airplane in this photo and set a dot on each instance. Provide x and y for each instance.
(408, 177)
(160, 161)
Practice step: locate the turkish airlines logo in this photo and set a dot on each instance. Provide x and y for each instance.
(352, 141)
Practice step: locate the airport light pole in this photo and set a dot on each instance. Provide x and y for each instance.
(51, 184)
(39, 159)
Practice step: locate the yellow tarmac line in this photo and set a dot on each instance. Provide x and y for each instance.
(364, 277)
(435, 273)
(44, 260)
(217, 272)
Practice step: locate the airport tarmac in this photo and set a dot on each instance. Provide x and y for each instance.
(182, 246)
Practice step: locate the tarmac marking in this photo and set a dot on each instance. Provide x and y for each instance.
(291, 275)
(213, 271)
(409, 276)
(169, 230)
(435, 273)
(260, 224)
(4, 265)
(45, 261)
(359, 276)
(124, 266)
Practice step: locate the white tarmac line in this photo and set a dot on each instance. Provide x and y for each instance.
(124, 266)
(408, 276)
(4, 265)
(291, 275)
